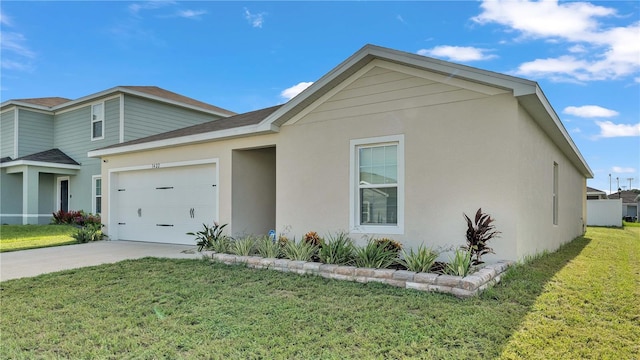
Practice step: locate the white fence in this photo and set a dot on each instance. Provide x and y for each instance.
(604, 212)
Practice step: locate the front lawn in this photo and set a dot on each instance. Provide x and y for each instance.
(580, 302)
(22, 237)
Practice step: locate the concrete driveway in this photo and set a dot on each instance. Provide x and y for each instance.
(27, 263)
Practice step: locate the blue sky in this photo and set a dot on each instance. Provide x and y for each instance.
(249, 55)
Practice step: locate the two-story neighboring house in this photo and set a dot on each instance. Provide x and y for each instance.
(44, 144)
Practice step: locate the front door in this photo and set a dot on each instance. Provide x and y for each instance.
(64, 195)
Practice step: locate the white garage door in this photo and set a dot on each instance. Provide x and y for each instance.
(162, 205)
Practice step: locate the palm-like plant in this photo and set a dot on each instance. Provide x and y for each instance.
(479, 232)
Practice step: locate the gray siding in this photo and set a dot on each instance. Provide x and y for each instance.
(11, 195)
(7, 126)
(35, 132)
(112, 121)
(72, 131)
(46, 194)
(146, 117)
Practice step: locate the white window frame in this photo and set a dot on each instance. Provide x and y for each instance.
(94, 195)
(100, 119)
(555, 193)
(354, 190)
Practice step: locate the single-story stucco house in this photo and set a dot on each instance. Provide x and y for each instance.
(387, 144)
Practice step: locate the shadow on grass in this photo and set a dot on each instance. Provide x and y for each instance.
(524, 283)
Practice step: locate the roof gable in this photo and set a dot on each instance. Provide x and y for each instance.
(527, 92)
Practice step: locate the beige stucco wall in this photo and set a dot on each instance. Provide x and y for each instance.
(537, 154)
(458, 155)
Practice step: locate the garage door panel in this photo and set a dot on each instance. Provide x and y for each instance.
(162, 205)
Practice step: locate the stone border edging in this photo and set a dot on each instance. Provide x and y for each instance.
(461, 287)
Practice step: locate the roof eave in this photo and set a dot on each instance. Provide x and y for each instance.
(14, 163)
(536, 103)
(243, 131)
(15, 103)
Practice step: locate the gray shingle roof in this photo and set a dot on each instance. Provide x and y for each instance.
(169, 95)
(627, 196)
(45, 101)
(249, 118)
(50, 156)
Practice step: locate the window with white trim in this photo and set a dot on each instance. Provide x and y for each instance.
(97, 121)
(555, 193)
(97, 195)
(377, 185)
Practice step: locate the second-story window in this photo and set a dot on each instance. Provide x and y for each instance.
(97, 121)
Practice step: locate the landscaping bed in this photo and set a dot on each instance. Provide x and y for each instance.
(459, 286)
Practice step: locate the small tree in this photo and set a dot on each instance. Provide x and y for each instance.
(479, 232)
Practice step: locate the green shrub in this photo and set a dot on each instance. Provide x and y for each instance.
(301, 251)
(460, 264)
(267, 248)
(88, 233)
(337, 250)
(420, 261)
(222, 245)
(375, 255)
(243, 246)
(209, 236)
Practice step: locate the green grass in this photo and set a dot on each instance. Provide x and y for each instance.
(630, 224)
(580, 302)
(22, 237)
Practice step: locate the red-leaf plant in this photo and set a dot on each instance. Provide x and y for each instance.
(479, 232)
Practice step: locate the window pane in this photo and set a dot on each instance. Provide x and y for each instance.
(378, 165)
(379, 206)
(391, 174)
(98, 187)
(98, 205)
(365, 156)
(96, 112)
(97, 129)
(377, 156)
(391, 155)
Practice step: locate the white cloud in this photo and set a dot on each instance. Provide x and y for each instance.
(598, 53)
(191, 14)
(148, 5)
(291, 92)
(577, 49)
(400, 18)
(457, 53)
(609, 129)
(590, 111)
(256, 20)
(16, 54)
(622, 170)
(16, 44)
(543, 19)
(5, 20)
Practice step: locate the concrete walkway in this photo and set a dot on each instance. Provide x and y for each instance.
(27, 263)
